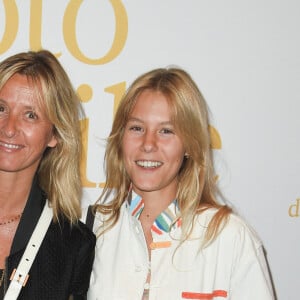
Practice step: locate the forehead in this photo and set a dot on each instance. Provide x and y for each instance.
(152, 102)
(19, 89)
(149, 99)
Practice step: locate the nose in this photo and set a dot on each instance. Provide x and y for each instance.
(149, 143)
(9, 126)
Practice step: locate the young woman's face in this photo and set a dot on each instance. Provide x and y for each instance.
(152, 151)
(25, 131)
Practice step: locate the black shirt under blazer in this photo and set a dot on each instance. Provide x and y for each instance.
(64, 261)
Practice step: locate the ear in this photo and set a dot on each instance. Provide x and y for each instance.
(53, 141)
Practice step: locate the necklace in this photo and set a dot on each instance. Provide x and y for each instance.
(11, 220)
(2, 277)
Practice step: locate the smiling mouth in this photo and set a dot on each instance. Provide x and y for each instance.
(10, 146)
(148, 164)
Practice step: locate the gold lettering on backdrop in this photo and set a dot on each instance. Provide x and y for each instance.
(85, 93)
(35, 26)
(11, 25)
(83, 164)
(294, 209)
(216, 142)
(69, 32)
(117, 90)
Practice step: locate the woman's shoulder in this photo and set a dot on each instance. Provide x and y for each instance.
(77, 233)
(83, 230)
(233, 227)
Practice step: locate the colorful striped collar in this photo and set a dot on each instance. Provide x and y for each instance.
(163, 222)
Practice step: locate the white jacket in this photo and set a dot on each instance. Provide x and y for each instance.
(232, 267)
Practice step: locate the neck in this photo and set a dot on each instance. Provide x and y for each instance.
(14, 192)
(155, 202)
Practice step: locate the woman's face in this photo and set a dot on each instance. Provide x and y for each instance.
(152, 150)
(25, 131)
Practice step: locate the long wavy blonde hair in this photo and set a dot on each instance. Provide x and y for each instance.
(58, 172)
(197, 189)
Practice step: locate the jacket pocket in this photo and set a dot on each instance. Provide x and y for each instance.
(204, 296)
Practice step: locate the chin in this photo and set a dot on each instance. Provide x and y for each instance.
(145, 188)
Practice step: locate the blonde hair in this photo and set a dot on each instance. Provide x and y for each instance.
(197, 187)
(58, 172)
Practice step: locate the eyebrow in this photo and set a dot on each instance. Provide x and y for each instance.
(29, 107)
(133, 119)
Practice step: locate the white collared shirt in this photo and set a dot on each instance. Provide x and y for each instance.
(232, 267)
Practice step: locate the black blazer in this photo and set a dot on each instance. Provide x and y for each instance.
(64, 261)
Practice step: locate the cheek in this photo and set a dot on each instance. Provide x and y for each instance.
(178, 159)
(176, 151)
(43, 136)
(127, 162)
(127, 147)
(125, 154)
(35, 136)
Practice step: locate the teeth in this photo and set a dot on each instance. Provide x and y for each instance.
(10, 146)
(148, 164)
